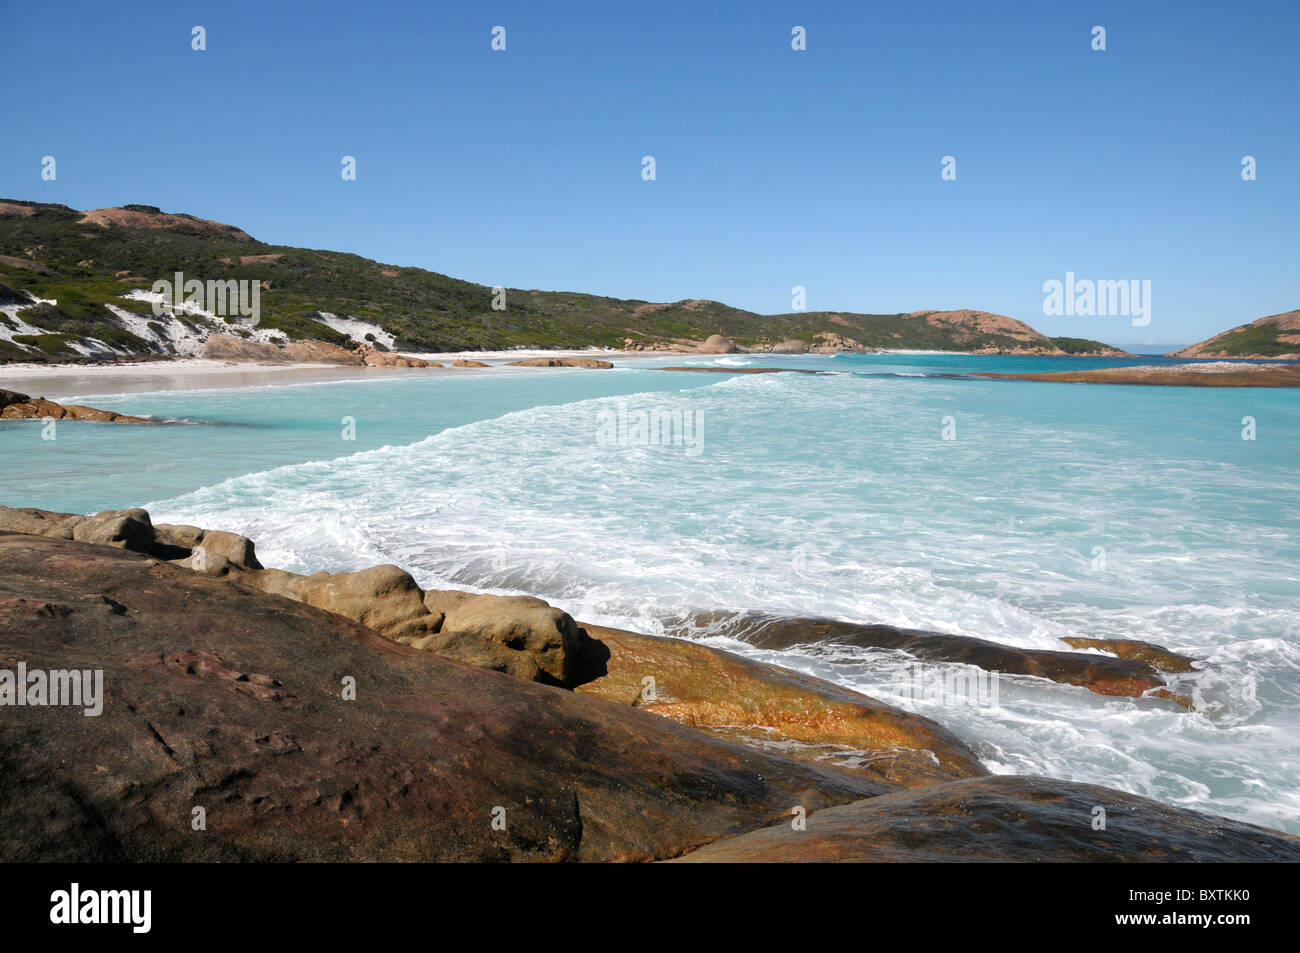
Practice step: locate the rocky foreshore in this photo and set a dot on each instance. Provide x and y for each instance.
(16, 406)
(250, 713)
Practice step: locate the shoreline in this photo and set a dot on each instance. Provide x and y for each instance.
(270, 637)
(114, 378)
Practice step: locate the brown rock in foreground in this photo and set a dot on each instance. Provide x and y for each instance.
(772, 708)
(1006, 818)
(129, 529)
(466, 362)
(16, 406)
(223, 697)
(1100, 674)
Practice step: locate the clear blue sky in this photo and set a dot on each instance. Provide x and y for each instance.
(775, 168)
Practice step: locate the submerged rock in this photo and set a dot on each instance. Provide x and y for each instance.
(1157, 656)
(1105, 676)
(562, 362)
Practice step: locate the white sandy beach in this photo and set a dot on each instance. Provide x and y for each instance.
(67, 380)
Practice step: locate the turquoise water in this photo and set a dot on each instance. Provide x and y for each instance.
(1054, 510)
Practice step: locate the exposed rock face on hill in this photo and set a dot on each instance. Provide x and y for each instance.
(1275, 337)
(1006, 818)
(150, 217)
(16, 406)
(966, 327)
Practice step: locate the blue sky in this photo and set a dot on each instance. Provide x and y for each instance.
(775, 168)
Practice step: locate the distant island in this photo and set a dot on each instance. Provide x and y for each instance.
(77, 286)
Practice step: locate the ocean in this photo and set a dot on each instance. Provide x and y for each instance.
(888, 490)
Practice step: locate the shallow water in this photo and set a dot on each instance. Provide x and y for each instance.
(1054, 510)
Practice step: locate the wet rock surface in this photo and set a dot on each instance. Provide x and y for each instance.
(1006, 818)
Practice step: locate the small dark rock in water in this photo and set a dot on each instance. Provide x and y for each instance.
(1105, 676)
(743, 370)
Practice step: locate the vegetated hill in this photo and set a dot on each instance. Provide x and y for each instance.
(1276, 336)
(89, 262)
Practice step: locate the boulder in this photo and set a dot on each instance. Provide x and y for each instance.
(830, 342)
(790, 347)
(717, 344)
(1007, 818)
(562, 362)
(464, 362)
(770, 708)
(480, 628)
(238, 549)
(384, 598)
(307, 737)
(38, 522)
(228, 347)
(322, 352)
(129, 529)
(373, 357)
